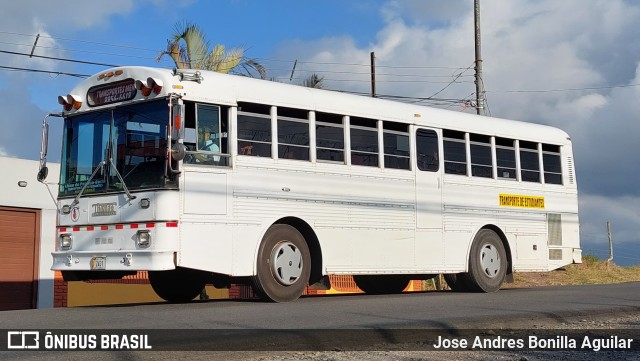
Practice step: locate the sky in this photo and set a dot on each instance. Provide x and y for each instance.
(572, 64)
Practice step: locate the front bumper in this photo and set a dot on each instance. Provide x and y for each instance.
(134, 260)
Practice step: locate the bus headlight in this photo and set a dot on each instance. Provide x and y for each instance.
(143, 239)
(65, 241)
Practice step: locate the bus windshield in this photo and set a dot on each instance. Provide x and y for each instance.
(131, 139)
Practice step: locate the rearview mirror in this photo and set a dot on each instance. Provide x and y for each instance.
(43, 171)
(178, 151)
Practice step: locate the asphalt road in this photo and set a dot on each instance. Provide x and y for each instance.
(353, 322)
(432, 310)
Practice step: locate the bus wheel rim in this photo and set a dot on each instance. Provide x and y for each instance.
(490, 260)
(286, 263)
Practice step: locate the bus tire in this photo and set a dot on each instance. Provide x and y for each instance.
(456, 282)
(487, 263)
(283, 265)
(177, 286)
(381, 284)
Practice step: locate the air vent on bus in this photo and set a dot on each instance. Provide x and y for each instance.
(570, 170)
(554, 228)
(555, 254)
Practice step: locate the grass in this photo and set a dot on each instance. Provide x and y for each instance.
(592, 270)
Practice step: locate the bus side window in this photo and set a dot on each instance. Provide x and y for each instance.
(506, 158)
(427, 147)
(530, 162)
(455, 153)
(396, 145)
(364, 142)
(205, 134)
(329, 137)
(254, 130)
(481, 161)
(552, 164)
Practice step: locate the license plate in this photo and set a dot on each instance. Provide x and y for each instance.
(99, 263)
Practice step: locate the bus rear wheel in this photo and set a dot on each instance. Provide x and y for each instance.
(283, 265)
(487, 263)
(178, 285)
(381, 284)
(456, 281)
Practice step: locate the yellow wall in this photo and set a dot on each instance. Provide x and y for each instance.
(93, 294)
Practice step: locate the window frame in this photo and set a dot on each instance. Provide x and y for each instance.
(250, 142)
(322, 120)
(389, 156)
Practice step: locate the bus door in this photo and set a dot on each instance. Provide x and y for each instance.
(428, 246)
(428, 180)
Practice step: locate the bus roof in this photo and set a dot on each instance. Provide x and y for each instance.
(227, 89)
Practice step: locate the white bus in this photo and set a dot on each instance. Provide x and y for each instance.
(200, 177)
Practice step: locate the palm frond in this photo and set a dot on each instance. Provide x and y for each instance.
(314, 81)
(189, 48)
(229, 61)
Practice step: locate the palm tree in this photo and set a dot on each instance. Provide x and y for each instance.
(314, 81)
(189, 49)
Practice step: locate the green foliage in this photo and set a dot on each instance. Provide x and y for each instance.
(189, 49)
(589, 259)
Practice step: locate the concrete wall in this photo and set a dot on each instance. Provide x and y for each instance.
(35, 196)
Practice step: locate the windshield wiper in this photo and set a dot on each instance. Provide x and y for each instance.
(124, 186)
(77, 199)
(99, 167)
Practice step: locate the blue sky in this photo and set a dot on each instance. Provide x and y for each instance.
(573, 64)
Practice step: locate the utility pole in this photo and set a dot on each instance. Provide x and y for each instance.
(373, 74)
(610, 243)
(479, 84)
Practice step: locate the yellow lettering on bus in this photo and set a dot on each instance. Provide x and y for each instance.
(521, 201)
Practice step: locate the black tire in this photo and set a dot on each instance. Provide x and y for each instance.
(457, 282)
(178, 285)
(283, 265)
(381, 284)
(487, 263)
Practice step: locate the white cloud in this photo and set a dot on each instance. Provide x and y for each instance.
(33, 15)
(623, 214)
(526, 45)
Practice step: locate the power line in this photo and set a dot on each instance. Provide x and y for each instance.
(81, 41)
(563, 90)
(380, 81)
(368, 73)
(157, 51)
(79, 51)
(44, 71)
(403, 97)
(57, 58)
(363, 65)
(452, 81)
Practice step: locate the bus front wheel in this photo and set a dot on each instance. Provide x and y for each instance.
(283, 265)
(178, 285)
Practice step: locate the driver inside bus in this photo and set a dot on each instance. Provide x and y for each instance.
(208, 143)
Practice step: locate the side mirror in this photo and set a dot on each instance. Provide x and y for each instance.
(42, 174)
(178, 151)
(43, 171)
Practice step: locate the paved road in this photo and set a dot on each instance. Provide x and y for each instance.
(433, 310)
(354, 322)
